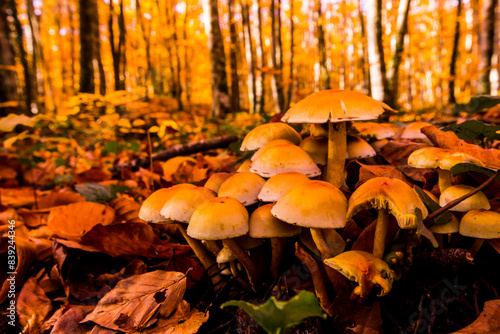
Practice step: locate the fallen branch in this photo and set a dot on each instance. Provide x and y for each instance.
(445, 257)
(178, 150)
(449, 140)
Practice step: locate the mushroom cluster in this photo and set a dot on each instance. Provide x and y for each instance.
(293, 190)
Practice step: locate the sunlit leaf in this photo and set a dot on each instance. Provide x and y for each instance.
(276, 317)
(474, 130)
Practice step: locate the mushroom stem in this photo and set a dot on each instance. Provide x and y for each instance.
(380, 233)
(319, 285)
(336, 153)
(203, 255)
(234, 271)
(476, 246)
(439, 239)
(277, 247)
(213, 246)
(337, 280)
(444, 179)
(252, 272)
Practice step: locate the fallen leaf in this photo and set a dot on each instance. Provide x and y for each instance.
(33, 306)
(9, 122)
(59, 198)
(495, 243)
(74, 220)
(34, 218)
(397, 152)
(185, 320)
(69, 322)
(358, 173)
(135, 302)
(487, 322)
(17, 197)
(365, 240)
(368, 320)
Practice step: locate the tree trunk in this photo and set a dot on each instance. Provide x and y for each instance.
(363, 57)
(72, 45)
(86, 46)
(8, 77)
(454, 56)
(291, 80)
(401, 30)
(220, 103)
(146, 36)
(97, 50)
(486, 43)
(249, 56)
(277, 55)
(323, 77)
(233, 60)
(187, 67)
(178, 86)
(376, 50)
(261, 77)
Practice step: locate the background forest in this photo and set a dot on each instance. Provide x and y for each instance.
(264, 54)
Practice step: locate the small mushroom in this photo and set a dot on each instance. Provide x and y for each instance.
(213, 183)
(387, 196)
(279, 184)
(244, 187)
(317, 148)
(476, 201)
(365, 269)
(262, 134)
(480, 224)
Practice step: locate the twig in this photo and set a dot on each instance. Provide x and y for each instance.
(429, 220)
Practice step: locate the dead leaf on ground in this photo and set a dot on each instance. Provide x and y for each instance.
(495, 243)
(358, 173)
(487, 322)
(126, 210)
(34, 218)
(185, 320)
(59, 198)
(134, 303)
(33, 306)
(69, 321)
(26, 254)
(74, 220)
(365, 240)
(17, 197)
(397, 152)
(92, 175)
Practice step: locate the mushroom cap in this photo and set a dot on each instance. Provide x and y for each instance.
(370, 130)
(181, 205)
(218, 218)
(264, 225)
(392, 194)
(481, 224)
(213, 183)
(269, 145)
(358, 148)
(434, 157)
(244, 187)
(244, 167)
(412, 131)
(448, 228)
(150, 209)
(279, 184)
(317, 148)
(378, 145)
(334, 106)
(365, 269)
(314, 204)
(225, 255)
(264, 133)
(284, 158)
(476, 201)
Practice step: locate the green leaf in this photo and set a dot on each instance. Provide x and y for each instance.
(277, 317)
(466, 167)
(95, 192)
(474, 130)
(60, 161)
(432, 206)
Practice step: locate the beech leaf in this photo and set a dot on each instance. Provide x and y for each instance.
(134, 304)
(466, 167)
(276, 317)
(474, 130)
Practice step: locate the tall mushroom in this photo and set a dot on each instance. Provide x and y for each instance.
(335, 107)
(387, 196)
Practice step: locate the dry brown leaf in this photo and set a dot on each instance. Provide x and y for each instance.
(487, 322)
(365, 240)
(33, 306)
(74, 220)
(397, 152)
(92, 175)
(7, 173)
(60, 198)
(26, 254)
(135, 302)
(495, 243)
(126, 210)
(185, 320)
(368, 320)
(358, 173)
(69, 322)
(17, 197)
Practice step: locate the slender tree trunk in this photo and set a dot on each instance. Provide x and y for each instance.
(220, 103)
(174, 84)
(187, 67)
(178, 93)
(86, 46)
(393, 74)
(454, 56)
(72, 45)
(363, 57)
(249, 56)
(97, 50)
(277, 55)
(8, 78)
(343, 46)
(291, 80)
(486, 44)
(323, 75)
(261, 78)
(376, 50)
(233, 60)
(146, 35)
